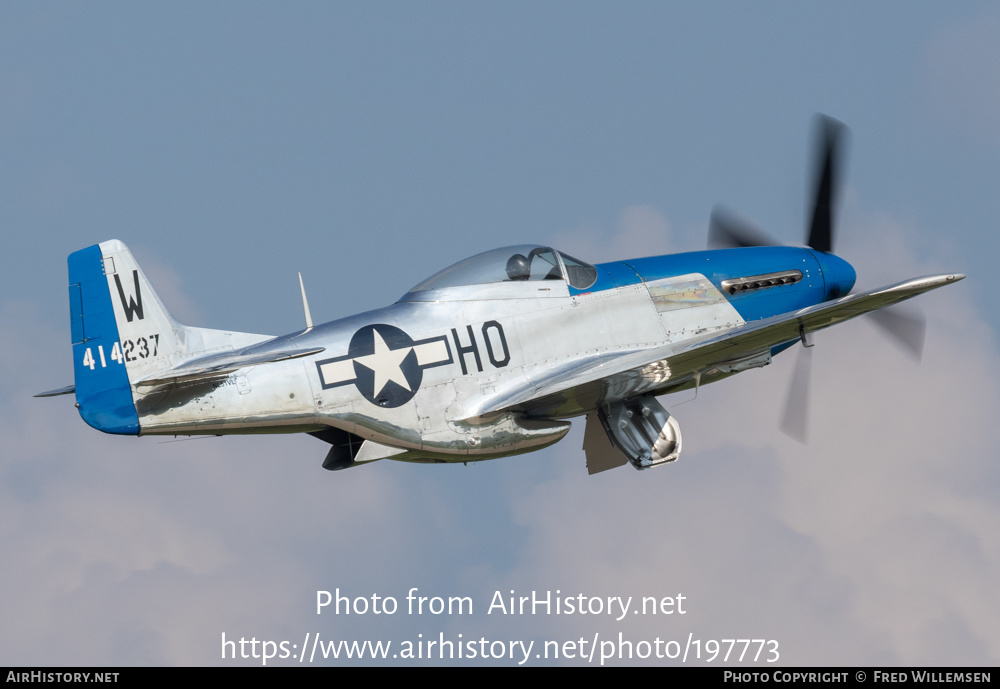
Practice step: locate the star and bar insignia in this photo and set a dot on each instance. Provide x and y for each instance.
(385, 364)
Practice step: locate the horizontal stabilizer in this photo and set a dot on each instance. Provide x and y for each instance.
(219, 365)
(68, 390)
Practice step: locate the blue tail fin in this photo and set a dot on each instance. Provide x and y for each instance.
(103, 393)
(122, 334)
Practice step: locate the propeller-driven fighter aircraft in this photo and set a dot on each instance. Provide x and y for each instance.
(488, 358)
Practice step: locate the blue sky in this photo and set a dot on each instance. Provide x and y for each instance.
(369, 145)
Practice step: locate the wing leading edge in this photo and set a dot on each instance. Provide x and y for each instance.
(657, 370)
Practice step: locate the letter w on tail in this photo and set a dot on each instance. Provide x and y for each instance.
(130, 306)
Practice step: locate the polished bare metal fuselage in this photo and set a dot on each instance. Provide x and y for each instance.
(490, 339)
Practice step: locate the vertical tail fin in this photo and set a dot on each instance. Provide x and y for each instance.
(122, 332)
(103, 393)
(148, 336)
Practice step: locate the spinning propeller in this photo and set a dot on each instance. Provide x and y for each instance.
(904, 327)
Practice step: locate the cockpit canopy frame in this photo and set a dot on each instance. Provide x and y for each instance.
(528, 263)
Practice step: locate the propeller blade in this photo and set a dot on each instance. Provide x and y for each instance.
(727, 230)
(831, 134)
(904, 327)
(795, 420)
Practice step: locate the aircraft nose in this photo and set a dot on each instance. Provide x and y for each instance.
(838, 274)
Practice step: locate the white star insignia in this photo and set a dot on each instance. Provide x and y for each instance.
(386, 363)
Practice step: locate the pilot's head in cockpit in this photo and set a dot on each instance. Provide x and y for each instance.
(518, 267)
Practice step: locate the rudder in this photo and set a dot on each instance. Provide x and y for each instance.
(120, 330)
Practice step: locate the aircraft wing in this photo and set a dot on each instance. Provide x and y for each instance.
(656, 370)
(219, 365)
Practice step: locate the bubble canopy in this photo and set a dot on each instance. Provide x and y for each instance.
(521, 263)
